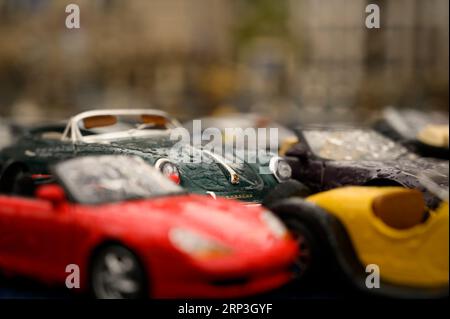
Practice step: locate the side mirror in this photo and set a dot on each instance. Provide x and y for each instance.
(52, 193)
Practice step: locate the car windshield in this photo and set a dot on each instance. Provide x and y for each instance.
(105, 179)
(114, 125)
(353, 145)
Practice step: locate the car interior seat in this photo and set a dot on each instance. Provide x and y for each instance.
(401, 209)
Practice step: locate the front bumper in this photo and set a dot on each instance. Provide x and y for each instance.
(233, 277)
(231, 288)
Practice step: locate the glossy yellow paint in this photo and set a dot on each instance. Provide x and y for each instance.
(417, 257)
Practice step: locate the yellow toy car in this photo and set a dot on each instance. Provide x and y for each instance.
(360, 233)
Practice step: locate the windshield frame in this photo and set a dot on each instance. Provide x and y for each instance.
(73, 132)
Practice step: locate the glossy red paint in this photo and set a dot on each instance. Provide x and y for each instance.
(39, 239)
(52, 193)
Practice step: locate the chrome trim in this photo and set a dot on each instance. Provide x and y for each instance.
(234, 177)
(212, 194)
(76, 136)
(162, 161)
(273, 165)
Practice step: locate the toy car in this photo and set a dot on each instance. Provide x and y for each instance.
(327, 158)
(423, 133)
(134, 233)
(284, 139)
(353, 232)
(147, 134)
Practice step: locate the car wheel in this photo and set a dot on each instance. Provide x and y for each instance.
(309, 259)
(117, 274)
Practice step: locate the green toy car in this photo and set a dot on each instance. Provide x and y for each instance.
(148, 134)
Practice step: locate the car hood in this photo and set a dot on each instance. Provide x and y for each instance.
(226, 221)
(209, 174)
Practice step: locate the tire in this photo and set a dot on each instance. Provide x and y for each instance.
(288, 189)
(308, 226)
(309, 261)
(116, 273)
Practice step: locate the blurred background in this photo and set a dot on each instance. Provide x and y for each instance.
(293, 60)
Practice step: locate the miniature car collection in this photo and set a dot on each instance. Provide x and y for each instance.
(143, 133)
(217, 158)
(134, 233)
(110, 192)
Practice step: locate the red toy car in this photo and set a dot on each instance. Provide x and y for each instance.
(133, 233)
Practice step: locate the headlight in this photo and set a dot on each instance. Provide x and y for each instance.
(196, 245)
(274, 224)
(280, 169)
(168, 169)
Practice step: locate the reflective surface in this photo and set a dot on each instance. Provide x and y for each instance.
(111, 179)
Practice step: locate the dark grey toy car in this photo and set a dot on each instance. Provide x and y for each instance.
(327, 158)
